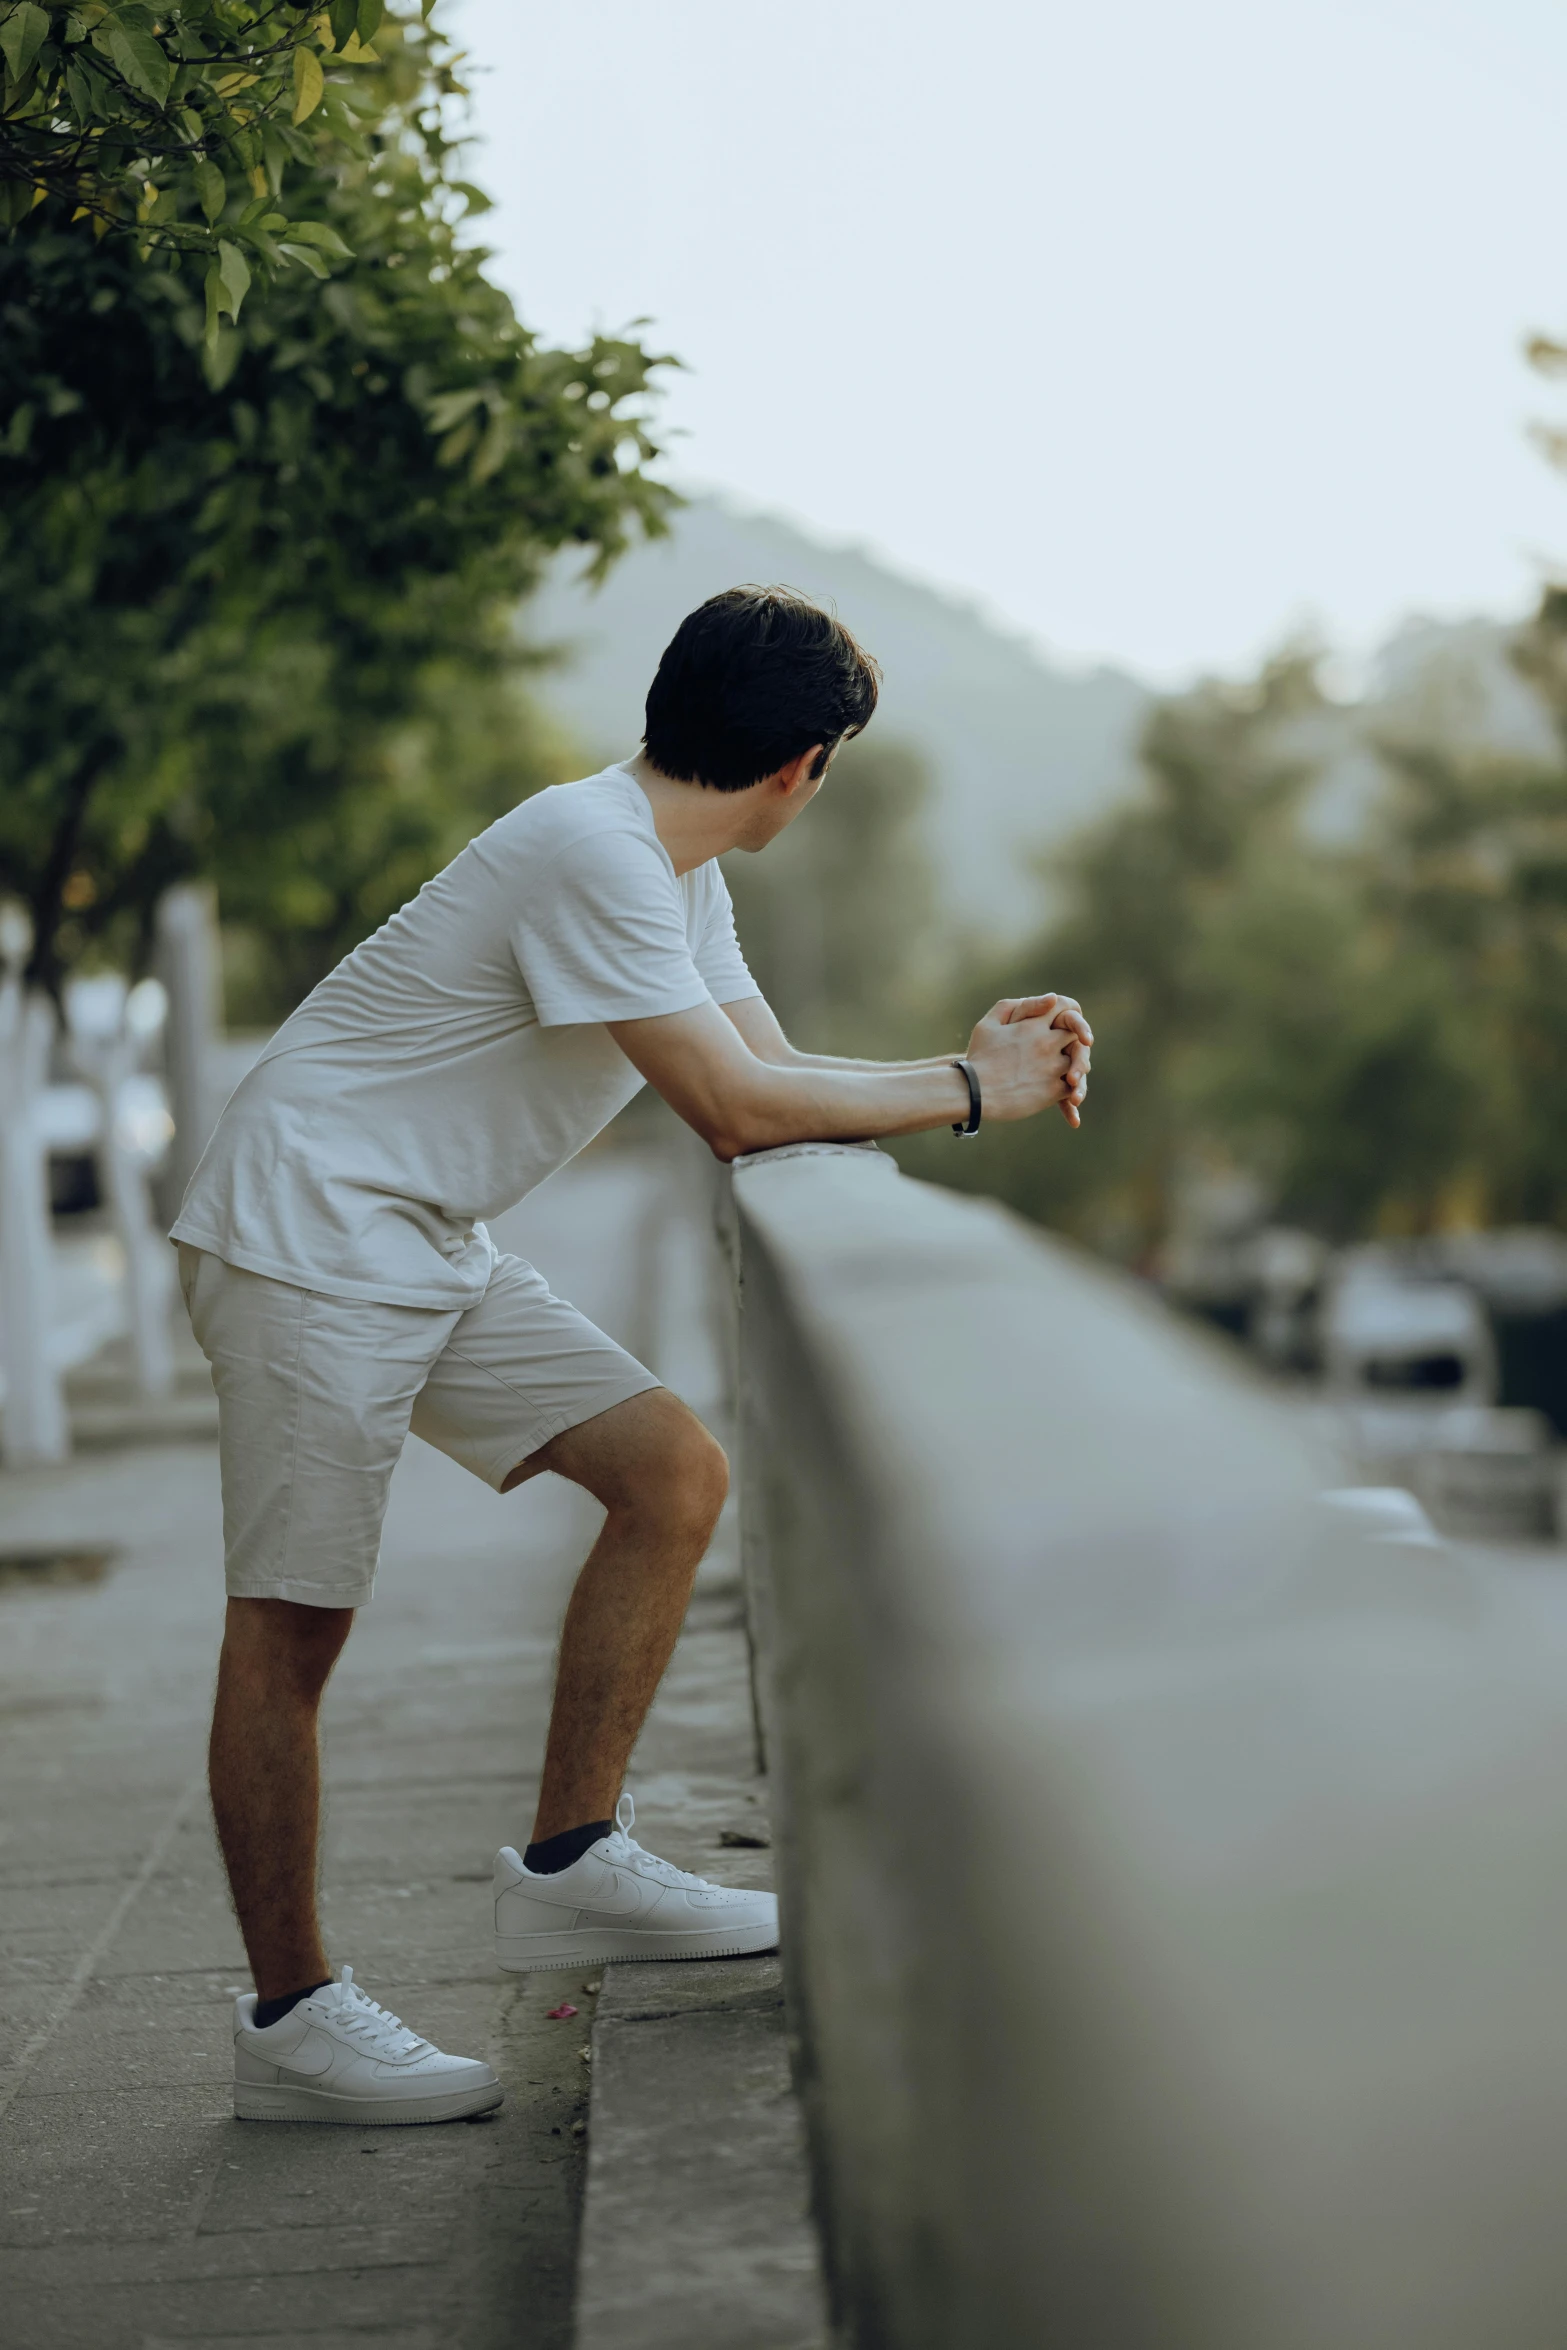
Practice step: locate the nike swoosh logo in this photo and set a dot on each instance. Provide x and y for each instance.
(619, 1901)
(621, 1897)
(625, 1896)
(310, 2059)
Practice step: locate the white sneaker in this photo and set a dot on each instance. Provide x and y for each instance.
(337, 2057)
(619, 1902)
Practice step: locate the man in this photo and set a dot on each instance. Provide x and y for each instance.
(341, 1282)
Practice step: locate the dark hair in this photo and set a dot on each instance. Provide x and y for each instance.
(751, 679)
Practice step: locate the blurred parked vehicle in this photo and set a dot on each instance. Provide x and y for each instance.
(1520, 1278)
(1394, 1337)
(1412, 1355)
(1261, 1282)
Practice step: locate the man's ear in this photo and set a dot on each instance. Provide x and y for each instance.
(799, 770)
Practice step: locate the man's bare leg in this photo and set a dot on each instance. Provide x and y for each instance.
(662, 1480)
(265, 1767)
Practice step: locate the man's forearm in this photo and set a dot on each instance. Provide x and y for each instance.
(758, 1024)
(833, 1062)
(833, 1101)
(755, 1020)
(720, 1075)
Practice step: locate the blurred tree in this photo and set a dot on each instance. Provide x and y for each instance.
(1393, 1051)
(1336, 1065)
(1223, 772)
(139, 119)
(838, 921)
(366, 822)
(1472, 875)
(242, 572)
(1374, 1034)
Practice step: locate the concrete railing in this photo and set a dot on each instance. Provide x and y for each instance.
(1175, 1877)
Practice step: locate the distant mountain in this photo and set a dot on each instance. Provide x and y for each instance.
(1021, 752)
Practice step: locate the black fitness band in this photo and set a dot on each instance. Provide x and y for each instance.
(972, 1127)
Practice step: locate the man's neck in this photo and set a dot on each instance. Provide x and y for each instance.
(692, 822)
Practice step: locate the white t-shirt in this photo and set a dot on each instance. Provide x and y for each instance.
(459, 1056)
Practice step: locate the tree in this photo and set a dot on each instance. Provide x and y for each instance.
(1472, 872)
(1372, 1032)
(237, 567)
(839, 919)
(344, 832)
(138, 119)
(1223, 770)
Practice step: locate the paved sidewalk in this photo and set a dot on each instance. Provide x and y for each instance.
(134, 2211)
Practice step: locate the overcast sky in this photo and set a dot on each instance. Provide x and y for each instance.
(1162, 330)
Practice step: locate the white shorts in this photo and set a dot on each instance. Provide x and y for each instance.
(316, 1396)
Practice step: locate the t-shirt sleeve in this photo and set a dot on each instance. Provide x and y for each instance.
(718, 956)
(599, 934)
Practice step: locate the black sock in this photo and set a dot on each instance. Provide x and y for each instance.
(272, 2011)
(558, 1852)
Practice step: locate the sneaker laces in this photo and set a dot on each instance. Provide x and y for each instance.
(354, 2011)
(621, 1846)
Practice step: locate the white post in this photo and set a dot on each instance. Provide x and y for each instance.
(35, 1428)
(110, 1031)
(188, 964)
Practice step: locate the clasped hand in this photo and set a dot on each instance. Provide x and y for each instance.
(1022, 1073)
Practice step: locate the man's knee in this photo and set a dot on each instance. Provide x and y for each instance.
(649, 1458)
(281, 1641)
(698, 1480)
(677, 1485)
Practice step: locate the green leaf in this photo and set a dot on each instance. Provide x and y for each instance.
(495, 447)
(457, 444)
(141, 60)
(325, 240)
(233, 278)
(449, 408)
(19, 431)
(478, 201)
(211, 189)
(79, 89)
(368, 21)
(309, 83)
(311, 259)
(343, 16)
(21, 37)
(221, 356)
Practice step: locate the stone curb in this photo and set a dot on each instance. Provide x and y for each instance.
(696, 2230)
